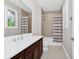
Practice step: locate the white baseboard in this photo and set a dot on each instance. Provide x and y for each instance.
(68, 57)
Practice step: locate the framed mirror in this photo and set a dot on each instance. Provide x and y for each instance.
(18, 18)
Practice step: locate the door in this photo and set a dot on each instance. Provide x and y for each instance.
(68, 27)
(71, 27)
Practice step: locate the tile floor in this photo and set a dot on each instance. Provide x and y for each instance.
(54, 52)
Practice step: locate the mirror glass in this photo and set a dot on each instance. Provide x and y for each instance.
(18, 18)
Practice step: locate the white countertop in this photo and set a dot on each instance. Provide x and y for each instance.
(12, 48)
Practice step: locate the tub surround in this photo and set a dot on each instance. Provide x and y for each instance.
(13, 46)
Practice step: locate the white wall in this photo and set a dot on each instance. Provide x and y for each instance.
(67, 26)
(36, 16)
(36, 19)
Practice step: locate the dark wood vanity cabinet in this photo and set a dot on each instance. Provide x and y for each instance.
(36, 53)
(19, 56)
(32, 52)
(29, 56)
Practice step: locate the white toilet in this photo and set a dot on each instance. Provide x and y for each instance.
(46, 42)
(45, 45)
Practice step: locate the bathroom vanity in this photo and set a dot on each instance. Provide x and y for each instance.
(31, 48)
(32, 52)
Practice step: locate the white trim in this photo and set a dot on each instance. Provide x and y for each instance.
(68, 57)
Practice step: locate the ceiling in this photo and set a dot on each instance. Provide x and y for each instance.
(50, 5)
(21, 4)
(46, 5)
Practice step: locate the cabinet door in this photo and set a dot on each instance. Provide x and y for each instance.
(41, 47)
(36, 53)
(19, 56)
(29, 56)
(28, 53)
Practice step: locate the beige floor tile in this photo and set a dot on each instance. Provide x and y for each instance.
(54, 52)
